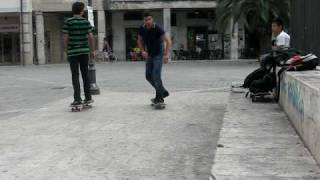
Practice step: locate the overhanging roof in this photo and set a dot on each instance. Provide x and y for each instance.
(151, 4)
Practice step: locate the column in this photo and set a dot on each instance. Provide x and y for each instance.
(40, 38)
(27, 42)
(167, 20)
(234, 42)
(119, 35)
(101, 28)
(182, 34)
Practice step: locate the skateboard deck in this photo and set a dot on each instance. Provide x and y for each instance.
(237, 87)
(256, 96)
(80, 107)
(158, 106)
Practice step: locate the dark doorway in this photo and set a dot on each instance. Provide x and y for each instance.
(132, 51)
(198, 42)
(9, 48)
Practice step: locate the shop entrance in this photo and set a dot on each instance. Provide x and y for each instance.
(9, 48)
(132, 51)
(198, 42)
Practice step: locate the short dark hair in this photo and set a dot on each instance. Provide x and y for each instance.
(279, 22)
(147, 14)
(77, 7)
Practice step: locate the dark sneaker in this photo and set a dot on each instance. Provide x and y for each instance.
(76, 103)
(88, 101)
(158, 101)
(153, 100)
(166, 94)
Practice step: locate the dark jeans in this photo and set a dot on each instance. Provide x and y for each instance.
(83, 61)
(153, 74)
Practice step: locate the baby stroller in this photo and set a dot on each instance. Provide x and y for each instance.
(263, 81)
(110, 56)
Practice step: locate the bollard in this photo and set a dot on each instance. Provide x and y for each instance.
(94, 89)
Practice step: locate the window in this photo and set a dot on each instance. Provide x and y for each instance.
(173, 19)
(133, 16)
(197, 14)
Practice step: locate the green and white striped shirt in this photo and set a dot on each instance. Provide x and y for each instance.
(78, 29)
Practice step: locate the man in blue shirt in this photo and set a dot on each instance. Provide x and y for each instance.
(151, 40)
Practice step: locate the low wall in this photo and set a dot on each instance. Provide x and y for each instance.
(300, 99)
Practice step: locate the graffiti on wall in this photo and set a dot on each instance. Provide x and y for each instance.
(295, 95)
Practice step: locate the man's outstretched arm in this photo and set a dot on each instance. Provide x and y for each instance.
(168, 45)
(92, 44)
(65, 41)
(141, 47)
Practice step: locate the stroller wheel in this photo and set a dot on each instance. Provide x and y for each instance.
(254, 99)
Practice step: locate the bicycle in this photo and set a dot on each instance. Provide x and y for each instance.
(109, 56)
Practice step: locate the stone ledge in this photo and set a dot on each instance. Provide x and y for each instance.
(257, 141)
(300, 99)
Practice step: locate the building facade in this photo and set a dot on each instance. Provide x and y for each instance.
(305, 25)
(10, 31)
(191, 25)
(49, 17)
(31, 30)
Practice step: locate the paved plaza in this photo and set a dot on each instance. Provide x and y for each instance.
(121, 137)
(24, 89)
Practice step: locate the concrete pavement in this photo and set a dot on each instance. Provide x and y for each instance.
(122, 137)
(29, 88)
(257, 142)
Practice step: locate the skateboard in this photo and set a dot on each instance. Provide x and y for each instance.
(255, 97)
(158, 106)
(80, 107)
(237, 88)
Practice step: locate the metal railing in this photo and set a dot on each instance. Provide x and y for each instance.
(194, 55)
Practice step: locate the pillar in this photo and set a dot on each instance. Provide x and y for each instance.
(40, 38)
(167, 20)
(119, 40)
(101, 28)
(27, 42)
(235, 42)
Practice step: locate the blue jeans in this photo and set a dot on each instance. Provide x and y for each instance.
(153, 74)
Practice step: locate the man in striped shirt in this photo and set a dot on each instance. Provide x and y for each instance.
(78, 35)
